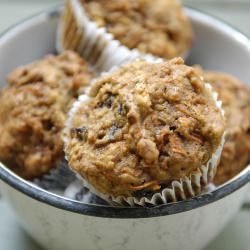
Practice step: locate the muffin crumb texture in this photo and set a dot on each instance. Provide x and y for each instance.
(33, 112)
(144, 126)
(159, 27)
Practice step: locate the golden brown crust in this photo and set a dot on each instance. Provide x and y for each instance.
(236, 103)
(159, 27)
(33, 112)
(145, 126)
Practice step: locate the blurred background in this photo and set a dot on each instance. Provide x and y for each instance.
(235, 12)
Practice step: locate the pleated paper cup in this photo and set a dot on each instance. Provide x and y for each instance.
(178, 190)
(78, 33)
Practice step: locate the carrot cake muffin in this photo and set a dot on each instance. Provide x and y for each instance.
(157, 27)
(145, 125)
(236, 103)
(33, 112)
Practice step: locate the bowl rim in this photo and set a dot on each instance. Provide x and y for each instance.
(63, 203)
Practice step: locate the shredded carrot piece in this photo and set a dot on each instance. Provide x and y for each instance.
(153, 184)
(176, 145)
(195, 138)
(133, 172)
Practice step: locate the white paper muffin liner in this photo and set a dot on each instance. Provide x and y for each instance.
(182, 189)
(77, 32)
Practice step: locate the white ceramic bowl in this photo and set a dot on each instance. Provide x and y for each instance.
(59, 223)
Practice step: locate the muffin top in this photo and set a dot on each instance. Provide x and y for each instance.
(33, 112)
(159, 27)
(144, 126)
(235, 97)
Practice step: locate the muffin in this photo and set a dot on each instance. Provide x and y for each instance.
(145, 126)
(235, 97)
(33, 112)
(156, 27)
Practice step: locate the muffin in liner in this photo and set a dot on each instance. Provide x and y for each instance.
(181, 189)
(236, 103)
(34, 109)
(235, 96)
(77, 32)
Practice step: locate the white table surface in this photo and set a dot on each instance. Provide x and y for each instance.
(236, 236)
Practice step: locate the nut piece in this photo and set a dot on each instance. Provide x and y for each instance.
(147, 150)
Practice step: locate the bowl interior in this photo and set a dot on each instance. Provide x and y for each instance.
(216, 47)
(219, 47)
